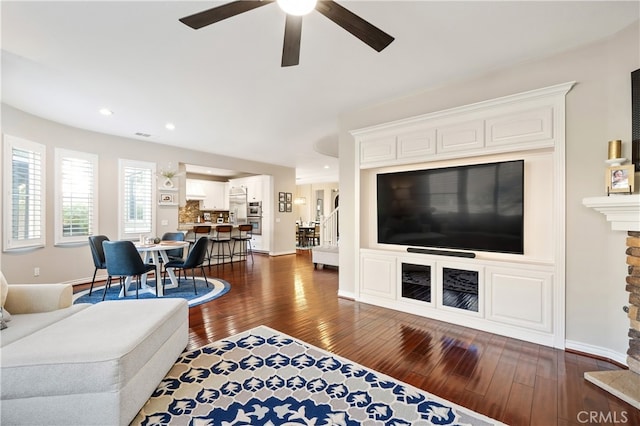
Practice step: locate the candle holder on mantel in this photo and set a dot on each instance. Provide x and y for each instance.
(614, 157)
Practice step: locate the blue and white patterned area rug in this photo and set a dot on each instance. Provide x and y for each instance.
(215, 289)
(263, 377)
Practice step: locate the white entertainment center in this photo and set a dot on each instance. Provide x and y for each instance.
(515, 295)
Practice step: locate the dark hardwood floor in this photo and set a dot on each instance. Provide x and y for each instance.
(516, 382)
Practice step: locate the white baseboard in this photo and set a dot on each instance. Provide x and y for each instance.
(596, 350)
(346, 294)
(282, 253)
(87, 280)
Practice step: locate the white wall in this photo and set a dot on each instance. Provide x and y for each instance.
(598, 110)
(74, 264)
(307, 211)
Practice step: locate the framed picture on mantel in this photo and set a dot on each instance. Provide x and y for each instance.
(619, 179)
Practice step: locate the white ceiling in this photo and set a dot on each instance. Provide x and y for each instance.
(223, 87)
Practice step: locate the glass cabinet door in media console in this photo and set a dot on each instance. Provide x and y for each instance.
(461, 288)
(417, 281)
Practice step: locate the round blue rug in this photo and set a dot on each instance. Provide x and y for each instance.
(216, 288)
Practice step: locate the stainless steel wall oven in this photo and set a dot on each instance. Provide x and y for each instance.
(254, 208)
(256, 223)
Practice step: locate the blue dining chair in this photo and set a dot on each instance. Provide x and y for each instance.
(95, 243)
(194, 259)
(123, 260)
(175, 254)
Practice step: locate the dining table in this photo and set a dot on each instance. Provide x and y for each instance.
(155, 252)
(303, 234)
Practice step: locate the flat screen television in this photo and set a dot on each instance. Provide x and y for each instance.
(471, 207)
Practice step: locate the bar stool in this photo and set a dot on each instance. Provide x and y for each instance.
(199, 231)
(244, 238)
(222, 236)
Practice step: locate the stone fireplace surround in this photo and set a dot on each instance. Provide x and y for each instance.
(633, 287)
(623, 211)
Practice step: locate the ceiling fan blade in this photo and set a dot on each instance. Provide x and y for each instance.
(292, 36)
(211, 16)
(368, 33)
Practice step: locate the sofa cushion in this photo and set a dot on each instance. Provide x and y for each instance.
(4, 289)
(96, 350)
(34, 298)
(24, 324)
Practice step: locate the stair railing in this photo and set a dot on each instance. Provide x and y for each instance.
(329, 229)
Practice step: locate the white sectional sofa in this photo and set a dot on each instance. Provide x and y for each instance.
(325, 255)
(83, 364)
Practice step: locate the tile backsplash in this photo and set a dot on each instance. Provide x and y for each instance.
(190, 212)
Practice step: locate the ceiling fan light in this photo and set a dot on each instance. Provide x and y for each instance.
(297, 7)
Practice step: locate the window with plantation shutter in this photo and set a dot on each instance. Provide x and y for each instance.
(137, 189)
(76, 196)
(24, 193)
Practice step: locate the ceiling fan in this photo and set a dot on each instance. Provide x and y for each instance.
(351, 22)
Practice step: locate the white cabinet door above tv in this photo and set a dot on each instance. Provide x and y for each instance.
(514, 123)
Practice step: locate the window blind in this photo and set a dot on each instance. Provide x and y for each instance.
(76, 199)
(25, 203)
(138, 200)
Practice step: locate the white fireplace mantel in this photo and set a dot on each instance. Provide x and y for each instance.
(623, 211)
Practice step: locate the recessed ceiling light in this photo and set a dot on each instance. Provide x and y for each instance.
(106, 111)
(326, 167)
(170, 126)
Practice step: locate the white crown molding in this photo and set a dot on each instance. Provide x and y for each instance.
(477, 107)
(623, 211)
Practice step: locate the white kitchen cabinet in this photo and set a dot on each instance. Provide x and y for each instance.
(253, 185)
(215, 196)
(256, 243)
(254, 188)
(195, 191)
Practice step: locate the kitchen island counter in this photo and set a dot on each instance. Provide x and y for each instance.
(188, 226)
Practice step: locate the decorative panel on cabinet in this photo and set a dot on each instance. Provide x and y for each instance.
(417, 144)
(466, 136)
(378, 150)
(517, 128)
(378, 275)
(520, 298)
